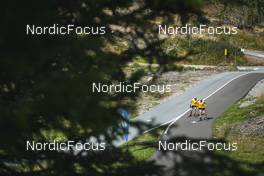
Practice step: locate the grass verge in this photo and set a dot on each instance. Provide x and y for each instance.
(250, 147)
(142, 147)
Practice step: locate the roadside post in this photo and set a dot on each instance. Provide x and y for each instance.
(225, 53)
(235, 57)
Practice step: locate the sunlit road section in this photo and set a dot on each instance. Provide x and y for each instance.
(220, 91)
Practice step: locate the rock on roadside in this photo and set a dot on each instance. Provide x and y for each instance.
(251, 127)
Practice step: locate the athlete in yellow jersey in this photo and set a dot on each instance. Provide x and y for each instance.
(202, 109)
(193, 106)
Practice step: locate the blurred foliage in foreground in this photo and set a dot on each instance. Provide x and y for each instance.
(45, 81)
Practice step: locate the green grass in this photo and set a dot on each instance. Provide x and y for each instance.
(211, 51)
(137, 148)
(143, 60)
(205, 51)
(245, 40)
(250, 148)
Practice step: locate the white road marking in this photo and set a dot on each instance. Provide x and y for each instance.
(166, 122)
(174, 120)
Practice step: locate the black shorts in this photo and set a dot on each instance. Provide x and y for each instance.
(202, 109)
(193, 107)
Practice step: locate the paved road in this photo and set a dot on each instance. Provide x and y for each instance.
(217, 104)
(222, 90)
(254, 53)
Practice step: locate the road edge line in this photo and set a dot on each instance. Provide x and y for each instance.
(178, 117)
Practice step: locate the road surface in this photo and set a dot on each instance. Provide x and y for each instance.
(192, 128)
(220, 91)
(253, 53)
(254, 56)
